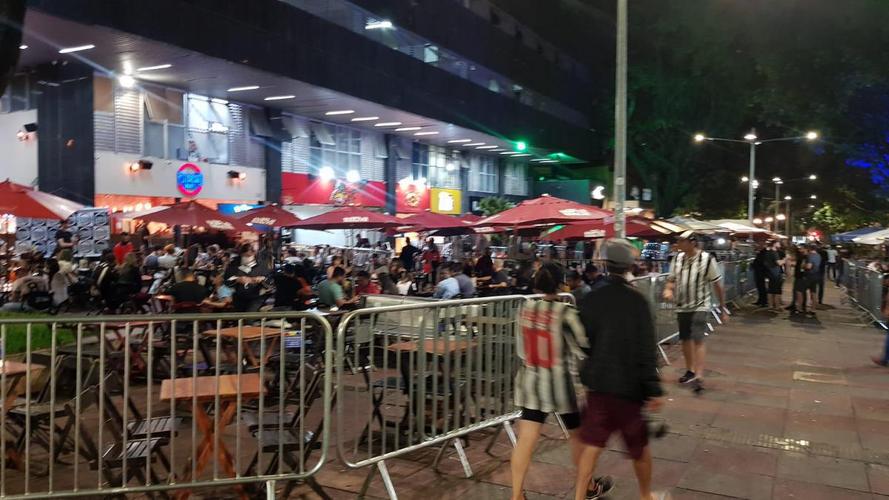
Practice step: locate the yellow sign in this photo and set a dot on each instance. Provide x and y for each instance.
(446, 201)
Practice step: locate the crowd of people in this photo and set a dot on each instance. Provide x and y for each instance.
(810, 266)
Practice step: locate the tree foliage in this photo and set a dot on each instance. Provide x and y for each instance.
(492, 205)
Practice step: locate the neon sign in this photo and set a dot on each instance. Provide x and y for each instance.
(189, 179)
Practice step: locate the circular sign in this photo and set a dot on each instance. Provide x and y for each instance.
(189, 179)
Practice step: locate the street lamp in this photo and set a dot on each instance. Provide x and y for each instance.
(754, 141)
(814, 197)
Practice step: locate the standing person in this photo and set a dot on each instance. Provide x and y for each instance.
(247, 274)
(620, 374)
(408, 253)
(484, 266)
(544, 383)
(64, 239)
(759, 275)
(774, 265)
(822, 272)
(123, 247)
(430, 258)
(799, 281)
(579, 288)
(694, 274)
(831, 254)
(813, 275)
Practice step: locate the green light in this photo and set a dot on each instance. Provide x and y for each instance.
(521, 146)
(540, 178)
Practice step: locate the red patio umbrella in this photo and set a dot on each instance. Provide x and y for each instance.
(268, 215)
(545, 210)
(349, 218)
(604, 228)
(431, 221)
(471, 218)
(25, 201)
(193, 214)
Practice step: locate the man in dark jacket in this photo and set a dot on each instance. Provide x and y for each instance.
(620, 371)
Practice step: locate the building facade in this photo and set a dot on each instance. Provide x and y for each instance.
(300, 102)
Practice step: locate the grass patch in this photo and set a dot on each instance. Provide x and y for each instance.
(41, 333)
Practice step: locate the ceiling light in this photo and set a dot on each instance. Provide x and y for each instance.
(458, 141)
(378, 25)
(365, 118)
(450, 167)
(326, 173)
(521, 154)
(486, 147)
(475, 144)
(154, 68)
(241, 89)
(387, 124)
(218, 100)
(340, 112)
(788, 197)
(506, 153)
(23, 47)
(78, 48)
(407, 129)
(126, 81)
(431, 132)
(497, 150)
(279, 97)
(548, 161)
(353, 176)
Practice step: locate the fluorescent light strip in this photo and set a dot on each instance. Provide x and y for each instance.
(241, 89)
(458, 141)
(387, 124)
(497, 150)
(506, 153)
(154, 68)
(218, 100)
(378, 25)
(407, 129)
(340, 112)
(521, 154)
(426, 133)
(68, 50)
(365, 118)
(549, 161)
(475, 144)
(279, 97)
(23, 47)
(486, 147)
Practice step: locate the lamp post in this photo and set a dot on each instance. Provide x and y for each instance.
(787, 224)
(778, 182)
(620, 123)
(754, 141)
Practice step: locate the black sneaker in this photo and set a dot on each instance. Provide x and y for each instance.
(688, 377)
(601, 487)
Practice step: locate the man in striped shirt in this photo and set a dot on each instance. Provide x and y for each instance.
(694, 275)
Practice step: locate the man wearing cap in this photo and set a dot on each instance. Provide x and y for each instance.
(619, 373)
(693, 275)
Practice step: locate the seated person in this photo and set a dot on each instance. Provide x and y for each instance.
(187, 291)
(291, 290)
(222, 293)
(405, 283)
(467, 287)
(24, 285)
(499, 279)
(330, 291)
(387, 285)
(364, 286)
(577, 285)
(448, 287)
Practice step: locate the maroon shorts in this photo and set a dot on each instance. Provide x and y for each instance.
(606, 414)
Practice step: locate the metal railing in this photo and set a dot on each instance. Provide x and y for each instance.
(106, 406)
(404, 386)
(865, 288)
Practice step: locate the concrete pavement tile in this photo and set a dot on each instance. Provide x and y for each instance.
(483, 490)
(674, 447)
(786, 489)
(683, 494)
(734, 458)
(879, 478)
(751, 419)
(833, 430)
(823, 470)
(731, 484)
(543, 478)
(874, 434)
(820, 402)
(871, 408)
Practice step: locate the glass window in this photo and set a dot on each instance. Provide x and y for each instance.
(487, 175)
(208, 127)
(515, 179)
(343, 153)
(420, 161)
(443, 168)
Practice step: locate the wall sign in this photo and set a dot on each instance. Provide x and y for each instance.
(189, 179)
(446, 201)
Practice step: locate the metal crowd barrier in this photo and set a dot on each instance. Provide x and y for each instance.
(405, 386)
(864, 287)
(163, 404)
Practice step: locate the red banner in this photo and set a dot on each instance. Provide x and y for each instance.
(411, 197)
(301, 189)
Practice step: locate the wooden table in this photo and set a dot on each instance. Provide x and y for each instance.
(205, 390)
(14, 372)
(248, 335)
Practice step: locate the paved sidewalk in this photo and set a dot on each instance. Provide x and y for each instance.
(793, 410)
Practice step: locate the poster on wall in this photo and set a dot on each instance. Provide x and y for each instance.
(303, 189)
(411, 197)
(446, 201)
(91, 227)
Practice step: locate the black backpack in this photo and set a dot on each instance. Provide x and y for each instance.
(38, 300)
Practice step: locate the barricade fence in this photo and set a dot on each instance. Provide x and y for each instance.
(865, 288)
(105, 406)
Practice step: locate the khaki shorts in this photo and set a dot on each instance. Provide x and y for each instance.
(693, 325)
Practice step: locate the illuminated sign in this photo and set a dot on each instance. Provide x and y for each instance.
(189, 179)
(446, 201)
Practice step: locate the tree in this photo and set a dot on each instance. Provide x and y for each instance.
(493, 205)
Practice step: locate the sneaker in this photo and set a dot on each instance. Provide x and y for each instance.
(790, 308)
(688, 377)
(697, 387)
(601, 487)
